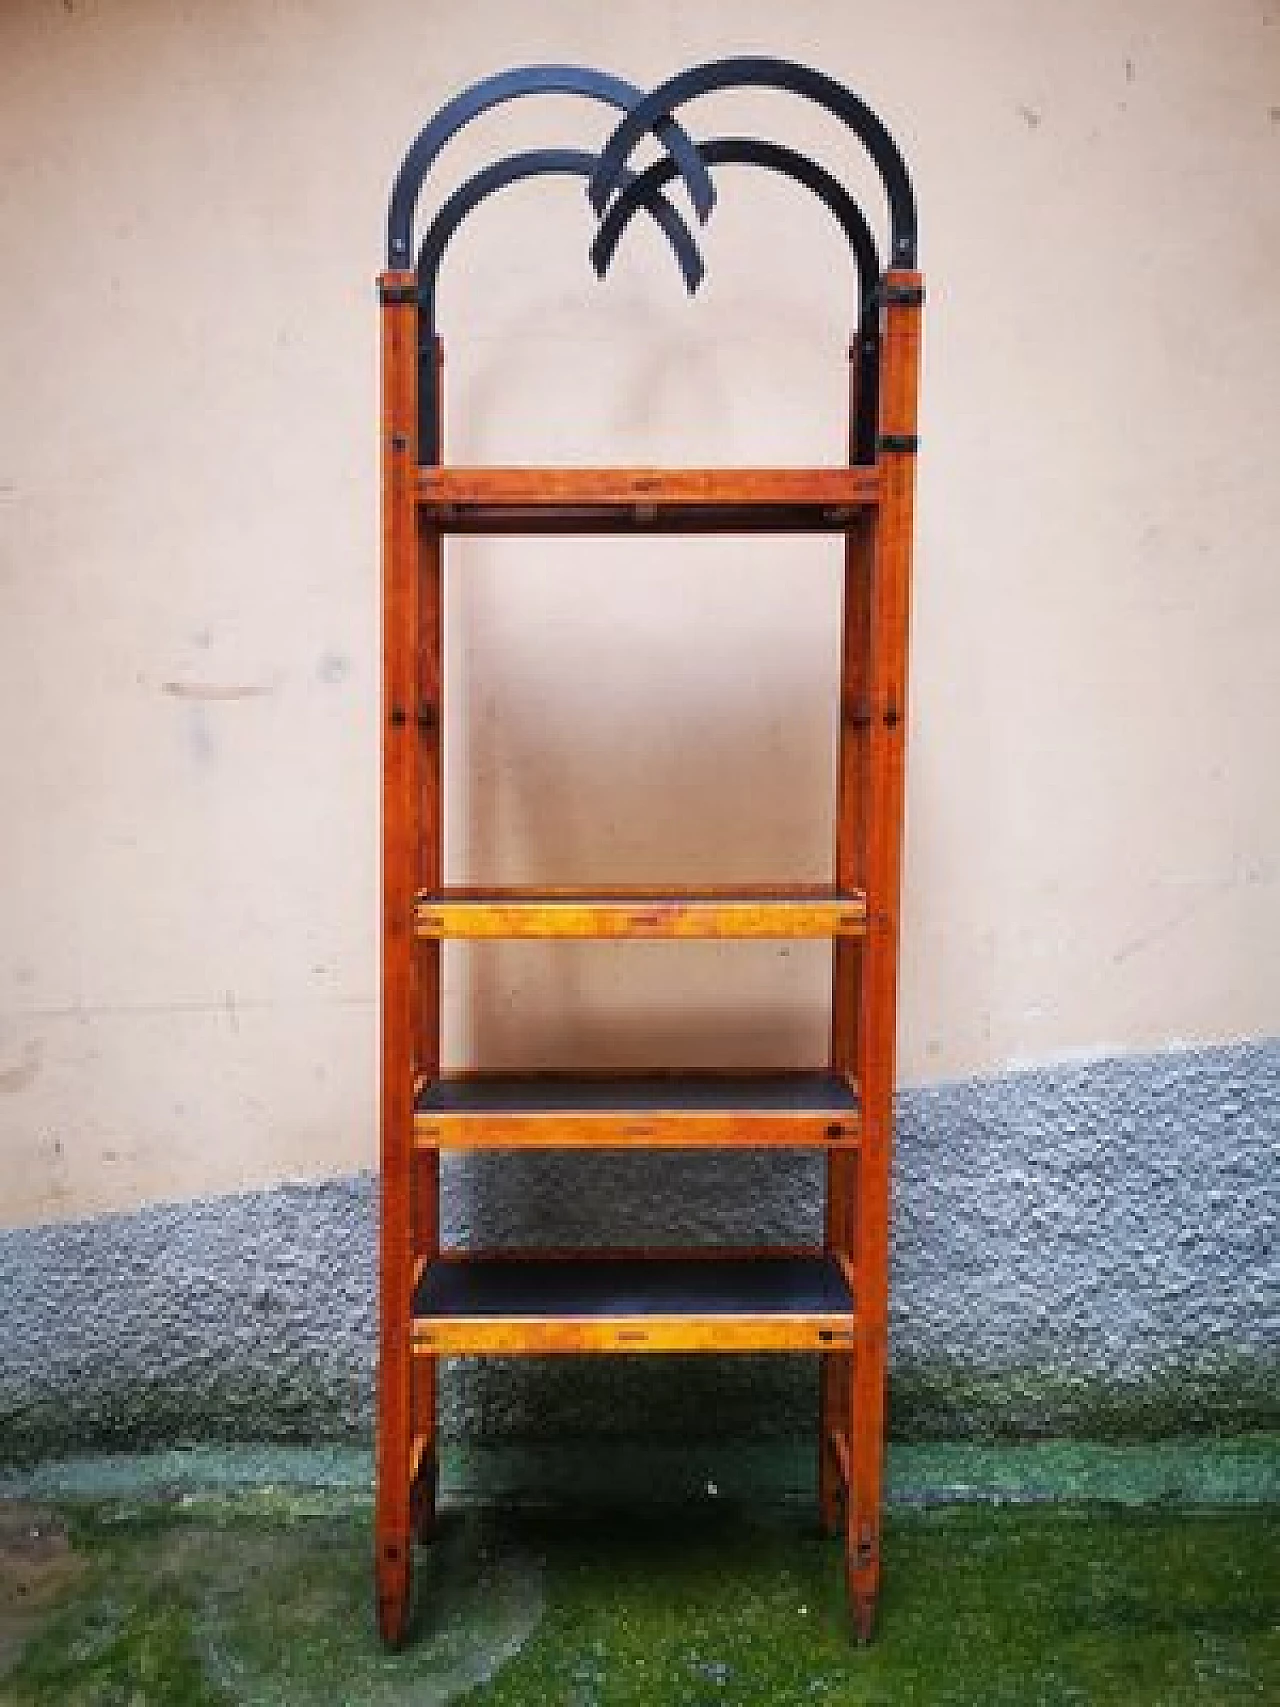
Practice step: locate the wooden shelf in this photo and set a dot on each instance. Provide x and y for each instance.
(674, 1111)
(789, 911)
(599, 1301)
(603, 500)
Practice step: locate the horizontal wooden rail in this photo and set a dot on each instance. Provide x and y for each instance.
(644, 913)
(483, 500)
(514, 1336)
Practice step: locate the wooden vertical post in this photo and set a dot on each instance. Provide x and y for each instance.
(890, 608)
(846, 962)
(429, 721)
(400, 841)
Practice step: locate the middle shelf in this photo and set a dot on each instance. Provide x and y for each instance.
(790, 910)
(651, 1110)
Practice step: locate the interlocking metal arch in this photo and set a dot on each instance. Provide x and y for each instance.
(534, 163)
(543, 162)
(775, 157)
(511, 86)
(615, 191)
(762, 73)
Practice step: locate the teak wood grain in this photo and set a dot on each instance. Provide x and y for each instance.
(638, 913)
(672, 1129)
(533, 488)
(513, 1336)
(853, 807)
(885, 776)
(427, 719)
(401, 877)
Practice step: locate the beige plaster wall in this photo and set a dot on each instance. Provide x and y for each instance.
(191, 214)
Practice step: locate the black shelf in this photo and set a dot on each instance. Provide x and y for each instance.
(701, 1093)
(598, 1285)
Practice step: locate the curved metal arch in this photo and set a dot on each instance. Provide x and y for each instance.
(776, 157)
(548, 162)
(535, 163)
(765, 73)
(510, 86)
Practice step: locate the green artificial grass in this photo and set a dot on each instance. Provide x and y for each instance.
(991, 1604)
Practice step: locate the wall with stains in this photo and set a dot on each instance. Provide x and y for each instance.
(193, 203)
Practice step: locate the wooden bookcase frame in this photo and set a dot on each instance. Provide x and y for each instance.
(832, 1302)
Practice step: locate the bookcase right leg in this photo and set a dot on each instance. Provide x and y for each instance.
(866, 1459)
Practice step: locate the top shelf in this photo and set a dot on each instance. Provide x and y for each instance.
(671, 500)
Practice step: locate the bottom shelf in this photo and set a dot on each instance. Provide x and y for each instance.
(603, 1302)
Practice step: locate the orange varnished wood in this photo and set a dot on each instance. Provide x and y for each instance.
(877, 1015)
(838, 1443)
(400, 879)
(533, 488)
(507, 1336)
(859, 911)
(671, 1129)
(639, 913)
(852, 806)
(428, 722)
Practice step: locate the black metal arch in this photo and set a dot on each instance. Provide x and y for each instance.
(535, 163)
(751, 151)
(764, 73)
(776, 157)
(544, 162)
(510, 86)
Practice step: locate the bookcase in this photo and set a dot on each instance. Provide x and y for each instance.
(829, 1301)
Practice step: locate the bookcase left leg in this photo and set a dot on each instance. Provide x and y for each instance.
(400, 835)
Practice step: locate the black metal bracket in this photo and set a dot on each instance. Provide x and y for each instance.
(511, 86)
(907, 443)
(861, 714)
(901, 295)
(784, 74)
(425, 717)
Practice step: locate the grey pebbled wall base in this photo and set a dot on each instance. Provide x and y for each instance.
(1087, 1249)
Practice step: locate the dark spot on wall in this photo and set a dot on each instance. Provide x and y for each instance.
(334, 668)
(1031, 115)
(217, 690)
(25, 1071)
(1130, 74)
